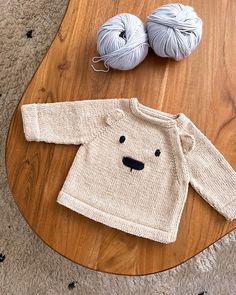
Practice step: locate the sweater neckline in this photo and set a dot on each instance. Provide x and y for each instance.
(155, 115)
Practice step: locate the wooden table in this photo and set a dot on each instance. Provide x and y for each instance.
(202, 86)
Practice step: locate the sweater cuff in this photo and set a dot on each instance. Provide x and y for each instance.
(30, 122)
(229, 211)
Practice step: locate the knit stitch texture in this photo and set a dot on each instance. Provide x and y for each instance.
(134, 163)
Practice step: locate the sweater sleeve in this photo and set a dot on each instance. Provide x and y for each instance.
(68, 122)
(211, 176)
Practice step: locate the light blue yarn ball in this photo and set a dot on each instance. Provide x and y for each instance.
(122, 41)
(174, 30)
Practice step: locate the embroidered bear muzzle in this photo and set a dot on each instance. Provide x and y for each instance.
(132, 163)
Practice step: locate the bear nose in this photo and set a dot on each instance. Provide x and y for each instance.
(132, 163)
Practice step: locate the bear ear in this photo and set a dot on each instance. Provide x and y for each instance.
(113, 116)
(187, 142)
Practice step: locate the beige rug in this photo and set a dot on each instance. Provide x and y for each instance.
(27, 265)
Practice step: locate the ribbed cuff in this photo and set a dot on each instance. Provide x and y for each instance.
(30, 122)
(229, 211)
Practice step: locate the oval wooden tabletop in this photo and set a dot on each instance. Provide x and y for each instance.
(202, 86)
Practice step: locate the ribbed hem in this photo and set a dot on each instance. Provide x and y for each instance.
(30, 122)
(114, 221)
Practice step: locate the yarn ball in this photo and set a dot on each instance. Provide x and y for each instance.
(174, 30)
(122, 42)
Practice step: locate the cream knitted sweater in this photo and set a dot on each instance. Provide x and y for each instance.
(134, 164)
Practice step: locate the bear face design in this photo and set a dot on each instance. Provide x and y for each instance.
(134, 163)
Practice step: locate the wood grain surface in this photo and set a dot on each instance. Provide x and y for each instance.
(202, 86)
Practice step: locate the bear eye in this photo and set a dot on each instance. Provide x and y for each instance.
(157, 153)
(122, 139)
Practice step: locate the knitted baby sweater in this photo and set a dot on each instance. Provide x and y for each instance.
(134, 163)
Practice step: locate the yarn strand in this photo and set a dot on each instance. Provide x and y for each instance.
(98, 60)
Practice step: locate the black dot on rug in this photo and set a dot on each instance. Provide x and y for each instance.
(2, 257)
(72, 285)
(29, 34)
(202, 293)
